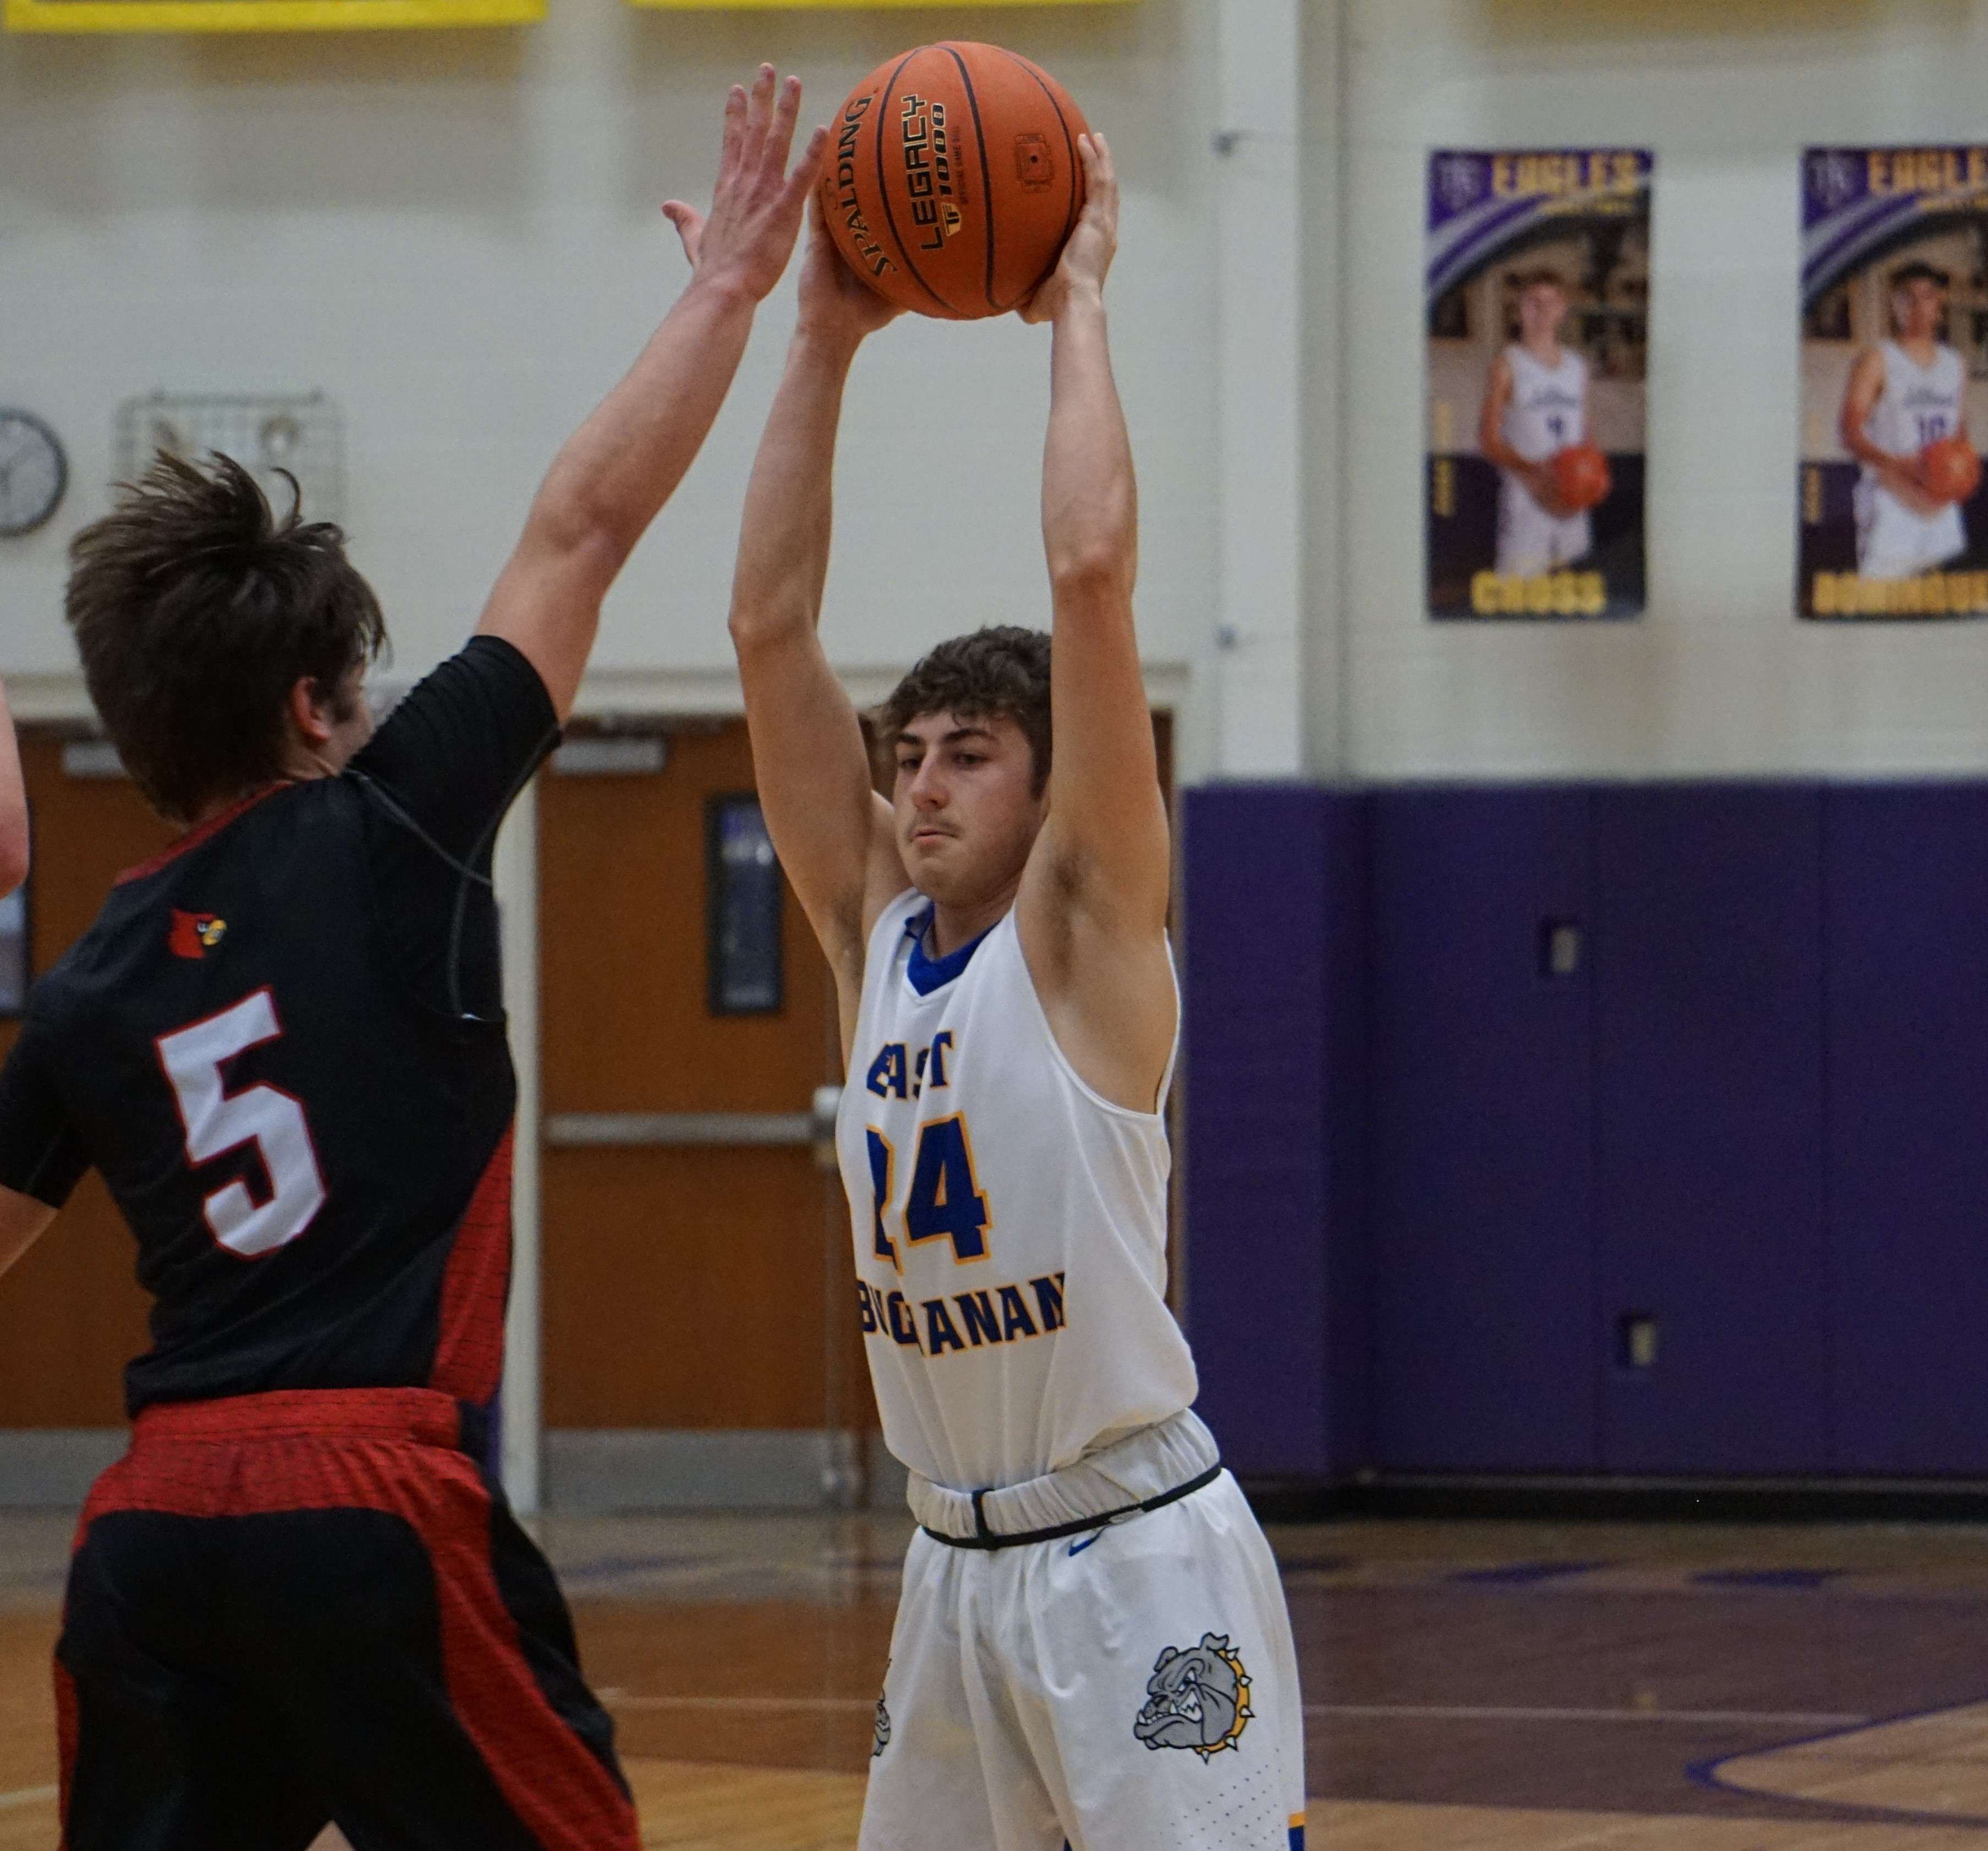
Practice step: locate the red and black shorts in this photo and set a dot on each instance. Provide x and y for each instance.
(288, 1610)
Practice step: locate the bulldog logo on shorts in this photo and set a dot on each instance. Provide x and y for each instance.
(882, 1735)
(1197, 1699)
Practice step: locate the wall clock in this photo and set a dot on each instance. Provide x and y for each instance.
(33, 472)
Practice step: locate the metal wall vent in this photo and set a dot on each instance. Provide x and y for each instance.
(92, 758)
(610, 756)
(302, 433)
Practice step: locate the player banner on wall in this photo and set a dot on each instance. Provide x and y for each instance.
(1895, 356)
(1538, 304)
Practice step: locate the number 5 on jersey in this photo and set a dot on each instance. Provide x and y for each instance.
(217, 1121)
(946, 1200)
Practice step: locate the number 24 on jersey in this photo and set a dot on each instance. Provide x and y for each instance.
(945, 1201)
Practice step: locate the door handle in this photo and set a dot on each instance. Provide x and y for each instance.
(827, 1103)
(675, 1130)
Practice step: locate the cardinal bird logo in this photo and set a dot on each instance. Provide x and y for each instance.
(194, 935)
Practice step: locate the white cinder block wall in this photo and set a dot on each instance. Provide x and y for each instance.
(1718, 677)
(456, 235)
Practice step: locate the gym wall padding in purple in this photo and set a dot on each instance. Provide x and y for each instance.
(1708, 1053)
(1906, 922)
(1486, 1343)
(1478, 1079)
(1274, 903)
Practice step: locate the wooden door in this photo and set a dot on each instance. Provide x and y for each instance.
(692, 1282)
(71, 1313)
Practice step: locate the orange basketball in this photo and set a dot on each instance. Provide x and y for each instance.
(953, 178)
(1950, 470)
(1581, 476)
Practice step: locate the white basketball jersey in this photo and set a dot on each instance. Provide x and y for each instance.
(1546, 413)
(1919, 404)
(1010, 1224)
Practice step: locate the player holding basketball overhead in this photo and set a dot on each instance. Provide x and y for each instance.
(1091, 1644)
(1904, 395)
(1536, 406)
(299, 1598)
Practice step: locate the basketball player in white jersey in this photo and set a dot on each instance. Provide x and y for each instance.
(1535, 406)
(1903, 394)
(1092, 1645)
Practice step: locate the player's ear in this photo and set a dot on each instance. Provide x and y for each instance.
(309, 711)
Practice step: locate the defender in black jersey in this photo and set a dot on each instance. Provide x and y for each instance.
(300, 1598)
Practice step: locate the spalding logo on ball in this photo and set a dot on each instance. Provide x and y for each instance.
(953, 179)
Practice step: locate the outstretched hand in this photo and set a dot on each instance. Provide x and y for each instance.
(756, 206)
(1092, 244)
(836, 302)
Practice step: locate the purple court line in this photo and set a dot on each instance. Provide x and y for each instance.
(1795, 1580)
(1524, 1574)
(1708, 1774)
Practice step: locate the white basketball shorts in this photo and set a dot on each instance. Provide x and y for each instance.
(1895, 543)
(1532, 543)
(1134, 1688)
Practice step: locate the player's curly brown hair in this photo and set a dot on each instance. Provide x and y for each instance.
(1002, 669)
(196, 610)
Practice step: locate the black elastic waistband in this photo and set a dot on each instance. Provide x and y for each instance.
(985, 1539)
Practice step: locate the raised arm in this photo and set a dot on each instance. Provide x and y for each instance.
(831, 831)
(13, 807)
(1093, 907)
(617, 471)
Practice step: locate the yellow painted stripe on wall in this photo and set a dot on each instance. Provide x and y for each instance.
(261, 16)
(845, 6)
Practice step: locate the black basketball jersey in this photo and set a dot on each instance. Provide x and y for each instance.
(282, 1045)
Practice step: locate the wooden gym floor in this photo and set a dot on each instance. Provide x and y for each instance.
(1473, 1686)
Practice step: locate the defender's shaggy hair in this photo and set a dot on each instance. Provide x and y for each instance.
(196, 611)
(1002, 669)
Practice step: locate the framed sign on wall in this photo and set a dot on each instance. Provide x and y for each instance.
(14, 965)
(258, 16)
